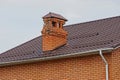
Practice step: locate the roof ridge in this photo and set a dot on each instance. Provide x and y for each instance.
(92, 21)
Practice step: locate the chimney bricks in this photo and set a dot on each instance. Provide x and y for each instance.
(53, 33)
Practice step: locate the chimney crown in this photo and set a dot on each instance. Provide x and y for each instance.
(54, 15)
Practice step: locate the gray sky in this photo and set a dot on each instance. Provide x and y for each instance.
(21, 20)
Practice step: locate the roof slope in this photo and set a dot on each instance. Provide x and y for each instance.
(104, 33)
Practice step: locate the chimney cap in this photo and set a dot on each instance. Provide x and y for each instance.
(54, 15)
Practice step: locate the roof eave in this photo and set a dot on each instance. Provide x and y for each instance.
(85, 53)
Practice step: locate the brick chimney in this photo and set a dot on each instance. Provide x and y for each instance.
(53, 33)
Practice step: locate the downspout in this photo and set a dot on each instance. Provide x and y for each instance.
(106, 64)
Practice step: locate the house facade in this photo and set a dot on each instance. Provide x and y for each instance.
(82, 51)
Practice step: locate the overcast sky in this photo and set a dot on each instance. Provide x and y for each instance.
(21, 20)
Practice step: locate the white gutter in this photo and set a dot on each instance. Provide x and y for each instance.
(55, 57)
(106, 64)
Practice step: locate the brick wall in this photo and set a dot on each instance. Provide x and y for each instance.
(80, 68)
(115, 65)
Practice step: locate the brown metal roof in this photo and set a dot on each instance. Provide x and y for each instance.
(99, 34)
(54, 15)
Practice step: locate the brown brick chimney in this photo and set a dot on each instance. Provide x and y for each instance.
(53, 33)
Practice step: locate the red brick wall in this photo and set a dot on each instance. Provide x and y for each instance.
(115, 65)
(80, 68)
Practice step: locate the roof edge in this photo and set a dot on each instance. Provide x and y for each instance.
(25, 42)
(85, 53)
(92, 21)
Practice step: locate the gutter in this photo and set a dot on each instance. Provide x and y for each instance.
(84, 53)
(106, 64)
